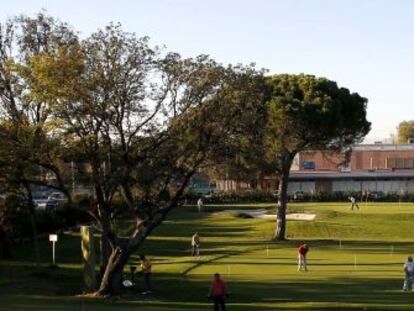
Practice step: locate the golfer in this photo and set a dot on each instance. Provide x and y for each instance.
(353, 203)
(218, 293)
(302, 252)
(200, 204)
(146, 272)
(409, 274)
(195, 243)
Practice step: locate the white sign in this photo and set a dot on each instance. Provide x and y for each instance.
(53, 237)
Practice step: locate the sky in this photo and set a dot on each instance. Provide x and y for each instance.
(364, 45)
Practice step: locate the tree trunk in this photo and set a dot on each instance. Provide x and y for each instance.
(280, 232)
(111, 282)
(103, 218)
(105, 252)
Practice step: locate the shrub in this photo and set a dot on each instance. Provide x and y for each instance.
(71, 215)
(344, 197)
(232, 197)
(14, 217)
(264, 196)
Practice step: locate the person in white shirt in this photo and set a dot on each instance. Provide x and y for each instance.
(195, 243)
(199, 204)
(353, 203)
(409, 274)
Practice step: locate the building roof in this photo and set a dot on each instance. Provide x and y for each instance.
(375, 174)
(383, 147)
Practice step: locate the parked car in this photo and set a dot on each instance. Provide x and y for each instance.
(51, 205)
(52, 201)
(57, 196)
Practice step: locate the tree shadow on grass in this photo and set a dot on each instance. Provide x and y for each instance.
(172, 292)
(363, 291)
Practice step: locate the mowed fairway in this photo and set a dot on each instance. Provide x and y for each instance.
(355, 263)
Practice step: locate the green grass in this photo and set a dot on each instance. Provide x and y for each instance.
(261, 274)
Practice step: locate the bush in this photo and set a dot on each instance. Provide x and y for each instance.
(48, 221)
(232, 197)
(71, 215)
(344, 197)
(264, 196)
(15, 217)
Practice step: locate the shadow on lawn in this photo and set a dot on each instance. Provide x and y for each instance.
(174, 292)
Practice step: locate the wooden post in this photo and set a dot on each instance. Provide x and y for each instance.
(88, 256)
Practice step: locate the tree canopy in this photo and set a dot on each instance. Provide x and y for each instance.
(405, 131)
(142, 120)
(299, 112)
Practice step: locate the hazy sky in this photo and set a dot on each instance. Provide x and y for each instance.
(364, 45)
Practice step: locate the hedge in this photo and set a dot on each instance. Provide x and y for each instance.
(265, 196)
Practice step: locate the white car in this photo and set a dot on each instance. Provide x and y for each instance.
(57, 196)
(51, 202)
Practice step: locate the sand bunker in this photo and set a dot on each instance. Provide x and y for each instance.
(293, 216)
(262, 213)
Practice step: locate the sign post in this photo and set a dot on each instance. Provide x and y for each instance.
(53, 238)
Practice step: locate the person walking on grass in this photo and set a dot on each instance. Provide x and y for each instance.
(195, 243)
(409, 274)
(200, 204)
(146, 272)
(353, 203)
(218, 293)
(302, 253)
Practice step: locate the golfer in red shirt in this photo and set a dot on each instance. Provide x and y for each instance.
(218, 292)
(302, 251)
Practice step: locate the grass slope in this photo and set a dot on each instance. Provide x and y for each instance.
(365, 273)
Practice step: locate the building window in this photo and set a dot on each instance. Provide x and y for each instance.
(400, 163)
(309, 165)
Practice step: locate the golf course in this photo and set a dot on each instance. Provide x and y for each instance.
(355, 262)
